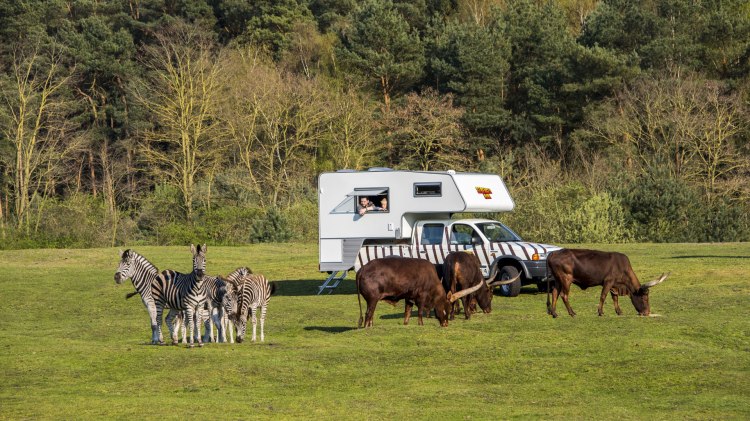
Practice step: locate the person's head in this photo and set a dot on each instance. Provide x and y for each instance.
(384, 203)
(364, 201)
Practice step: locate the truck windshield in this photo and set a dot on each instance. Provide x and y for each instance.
(495, 231)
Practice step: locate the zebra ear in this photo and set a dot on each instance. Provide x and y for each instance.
(192, 248)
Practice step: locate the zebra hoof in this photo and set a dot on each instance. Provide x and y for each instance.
(200, 345)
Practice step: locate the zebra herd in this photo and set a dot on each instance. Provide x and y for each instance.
(196, 297)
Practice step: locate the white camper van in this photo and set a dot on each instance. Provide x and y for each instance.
(354, 228)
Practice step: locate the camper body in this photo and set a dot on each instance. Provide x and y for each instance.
(417, 222)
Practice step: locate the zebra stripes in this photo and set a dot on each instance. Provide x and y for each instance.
(251, 292)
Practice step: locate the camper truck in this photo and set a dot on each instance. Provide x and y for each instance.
(356, 225)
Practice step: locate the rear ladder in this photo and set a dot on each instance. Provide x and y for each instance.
(333, 281)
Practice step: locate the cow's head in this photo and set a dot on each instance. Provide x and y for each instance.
(484, 295)
(640, 297)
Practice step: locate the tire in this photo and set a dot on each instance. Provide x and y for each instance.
(513, 289)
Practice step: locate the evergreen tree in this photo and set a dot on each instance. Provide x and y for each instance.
(382, 47)
(471, 61)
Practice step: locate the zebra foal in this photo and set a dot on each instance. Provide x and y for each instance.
(245, 296)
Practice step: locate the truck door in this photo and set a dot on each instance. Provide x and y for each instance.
(465, 237)
(431, 244)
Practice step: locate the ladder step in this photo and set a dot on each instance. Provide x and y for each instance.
(332, 281)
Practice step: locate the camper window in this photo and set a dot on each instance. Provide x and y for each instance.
(428, 189)
(432, 234)
(351, 203)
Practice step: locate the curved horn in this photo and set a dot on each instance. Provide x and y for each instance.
(509, 281)
(661, 279)
(464, 292)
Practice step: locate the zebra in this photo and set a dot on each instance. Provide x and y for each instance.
(143, 274)
(251, 292)
(213, 313)
(182, 292)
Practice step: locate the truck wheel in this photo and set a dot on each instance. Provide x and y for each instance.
(509, 290)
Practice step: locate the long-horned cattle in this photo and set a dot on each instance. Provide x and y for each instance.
(415, 280)
(588, 268)
(463, 270)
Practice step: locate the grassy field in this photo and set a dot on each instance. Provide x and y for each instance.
(74, 348)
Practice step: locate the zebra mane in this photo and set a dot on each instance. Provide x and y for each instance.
(142, 261)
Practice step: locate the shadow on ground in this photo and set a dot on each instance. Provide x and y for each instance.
(305, 287)
(331, 329)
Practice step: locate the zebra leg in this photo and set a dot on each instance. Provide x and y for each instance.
(208, 330)
(171, 324)
(255, 322)
(159, 313)
(216, 319)
(228, 327)
(155, 322)
(262, 322)
(190, 316)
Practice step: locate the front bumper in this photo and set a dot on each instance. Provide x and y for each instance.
(536, 270)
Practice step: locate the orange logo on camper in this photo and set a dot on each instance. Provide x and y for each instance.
(484, 191)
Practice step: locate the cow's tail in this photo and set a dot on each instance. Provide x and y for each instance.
(359, 301)
(547, 278)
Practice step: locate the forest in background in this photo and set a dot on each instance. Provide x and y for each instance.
(175, 121)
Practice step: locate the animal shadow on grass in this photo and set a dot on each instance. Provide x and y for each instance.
(305, 287)
(331, 329)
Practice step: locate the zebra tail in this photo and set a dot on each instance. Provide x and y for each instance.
(273, 287)
(130, 295)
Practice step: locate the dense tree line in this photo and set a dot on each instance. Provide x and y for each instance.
(166, 121)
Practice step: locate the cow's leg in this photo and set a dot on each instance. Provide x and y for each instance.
(420, 309)
(552, 310)
(564, 294)
(616, 302)
(370, 312)
(466, 301)
(407, 311)
(606, 287)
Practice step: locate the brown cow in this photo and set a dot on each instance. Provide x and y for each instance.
(587, 268)
(462, 270)
(415, 280)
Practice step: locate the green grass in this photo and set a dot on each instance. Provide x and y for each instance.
(72, 347)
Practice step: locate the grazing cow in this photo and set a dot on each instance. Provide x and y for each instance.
(463, 270)
(415, 280)
(587, 268)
